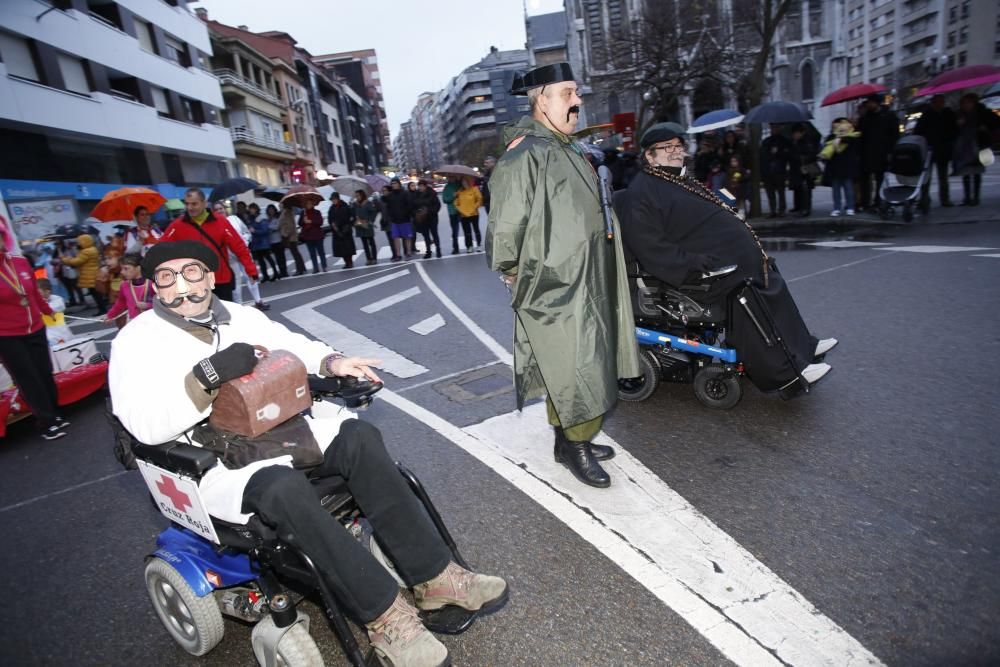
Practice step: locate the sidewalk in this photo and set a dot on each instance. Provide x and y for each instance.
(987, 211)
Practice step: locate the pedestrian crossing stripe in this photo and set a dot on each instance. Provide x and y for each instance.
(930, 249)
(847, 244)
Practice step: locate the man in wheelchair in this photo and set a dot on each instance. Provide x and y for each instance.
(681, 232)
(165, 372)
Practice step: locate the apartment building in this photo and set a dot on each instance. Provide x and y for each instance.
(96, 94)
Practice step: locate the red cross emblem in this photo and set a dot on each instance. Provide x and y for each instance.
(177, 497)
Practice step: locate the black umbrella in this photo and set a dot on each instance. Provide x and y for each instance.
(274, 194)
(233, 187)
(778, 112)
(76, 229)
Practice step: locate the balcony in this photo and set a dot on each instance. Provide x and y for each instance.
(242, 134)
(228, 77)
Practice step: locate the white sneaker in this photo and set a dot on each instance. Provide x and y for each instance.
(825, 345)
(835, 213)
(813, 373)
(850, 211)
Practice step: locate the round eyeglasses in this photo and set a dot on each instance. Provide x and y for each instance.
(192, 272)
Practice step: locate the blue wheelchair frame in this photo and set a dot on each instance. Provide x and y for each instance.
(649, 337)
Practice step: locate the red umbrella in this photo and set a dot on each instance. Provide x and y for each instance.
(119, 204)
(963, 77)
(855, 91)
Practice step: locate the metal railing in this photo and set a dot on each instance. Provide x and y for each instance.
(246, 136)
(228, 76)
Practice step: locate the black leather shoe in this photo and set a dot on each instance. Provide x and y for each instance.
(577, 457)
(600, 452)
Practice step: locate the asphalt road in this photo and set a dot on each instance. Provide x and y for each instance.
(874, 498)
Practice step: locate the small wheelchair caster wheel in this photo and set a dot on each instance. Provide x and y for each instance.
(717, 388)
(908, 212)
(642, 387)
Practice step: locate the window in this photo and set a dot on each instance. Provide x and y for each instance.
(336, 127)
(962, 55)
(951, 39)
(160, 101)
(73, 74)
(144, 33)
(963, 35)
(18, 57)
(177, 51)
(375, 75)
(340, 154)
(953, 15)
(965, 9)
(105, 11)
(807, 81)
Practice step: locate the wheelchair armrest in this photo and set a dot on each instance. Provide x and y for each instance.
(178, 457)
(707, 278)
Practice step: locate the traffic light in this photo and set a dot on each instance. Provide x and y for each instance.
(297, 175)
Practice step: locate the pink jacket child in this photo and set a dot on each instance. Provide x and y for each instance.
(136, 293)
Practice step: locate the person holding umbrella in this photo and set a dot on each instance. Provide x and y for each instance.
(574, 335)
(938, 125)
(341, 219)
(290, 236)
(468, 199)
(427, 205)
(976, 128)
(202, 225)
(139, 239)
(312, 232)
(24, 347)
(364, 221)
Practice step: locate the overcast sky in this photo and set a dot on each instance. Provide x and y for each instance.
(420, 45)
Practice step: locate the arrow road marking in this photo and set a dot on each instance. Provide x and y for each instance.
(430, 325)
(399, 297)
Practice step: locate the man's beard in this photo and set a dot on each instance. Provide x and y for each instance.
(193, 298)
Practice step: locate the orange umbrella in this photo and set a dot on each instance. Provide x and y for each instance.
(298, 194)
(119, 204)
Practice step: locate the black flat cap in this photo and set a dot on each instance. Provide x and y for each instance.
(661, 132)
(541, 76)
(168, 250)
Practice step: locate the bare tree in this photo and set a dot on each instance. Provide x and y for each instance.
(672, 48)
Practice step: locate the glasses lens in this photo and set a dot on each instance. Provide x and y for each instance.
(164, 277)
(193, 272)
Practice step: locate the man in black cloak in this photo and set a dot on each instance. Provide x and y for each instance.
(677, 230)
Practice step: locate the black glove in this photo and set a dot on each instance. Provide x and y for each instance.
(235, 361)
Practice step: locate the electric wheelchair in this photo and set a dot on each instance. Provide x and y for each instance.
(246, 572)
(682, 338)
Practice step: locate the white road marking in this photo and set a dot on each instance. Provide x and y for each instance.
(61, 491)
(846, 244)
(841, 266)
(496, 348)
(934, 248)
(430, 325)
(385, 252)
(996, 255)
(325, 286)
(399, 297)
(447, 376)
(340, 337)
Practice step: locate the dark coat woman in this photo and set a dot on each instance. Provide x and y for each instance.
(425, 215)
(677, 229)
(341, 219)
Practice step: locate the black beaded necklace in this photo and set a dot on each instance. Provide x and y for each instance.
(699, 190)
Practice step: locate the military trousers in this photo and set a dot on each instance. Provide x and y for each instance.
(584, 432)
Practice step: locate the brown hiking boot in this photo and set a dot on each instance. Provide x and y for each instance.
(401, 640)
(460, 587)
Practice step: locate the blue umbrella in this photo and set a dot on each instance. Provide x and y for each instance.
(714, 120)
(778, 112)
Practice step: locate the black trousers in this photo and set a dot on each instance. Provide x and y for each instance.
(293, 247)
(430, 234)
(456, 224)
(224, 290)
(470, 225)
(368, 243)
(971, 186)
(27, 360)
(775, 195)
(944, 193)
(870, 178)
(102, 304)
(265, 257)
(75, 293)
(278, 250)
(283, 498)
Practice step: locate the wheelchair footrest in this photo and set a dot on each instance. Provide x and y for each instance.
(453, 620)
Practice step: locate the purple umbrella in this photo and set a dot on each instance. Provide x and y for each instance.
(963, 77)
(377, 181)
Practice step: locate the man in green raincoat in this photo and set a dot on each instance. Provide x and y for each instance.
(574, 335)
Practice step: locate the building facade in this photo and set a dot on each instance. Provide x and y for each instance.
(94, 96)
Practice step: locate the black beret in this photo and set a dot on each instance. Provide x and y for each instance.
(661, 132)
(168, 250)
(545, 75)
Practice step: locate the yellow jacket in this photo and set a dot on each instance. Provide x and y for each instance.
(468, 201)
(86, 261)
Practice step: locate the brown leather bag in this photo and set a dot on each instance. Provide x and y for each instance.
(276, 391)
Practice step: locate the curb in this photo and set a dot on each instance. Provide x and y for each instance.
(854, 221)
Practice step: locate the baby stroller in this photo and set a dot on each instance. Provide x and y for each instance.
(902, 185)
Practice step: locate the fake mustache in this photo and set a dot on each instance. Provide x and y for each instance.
(572, 110)
(193, 298)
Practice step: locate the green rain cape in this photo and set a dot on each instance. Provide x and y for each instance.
(574, 335)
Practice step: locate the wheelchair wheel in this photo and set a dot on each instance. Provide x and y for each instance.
(195, 623)
(642, 387)
(908, 212)
(296, 648)
(717, 388)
